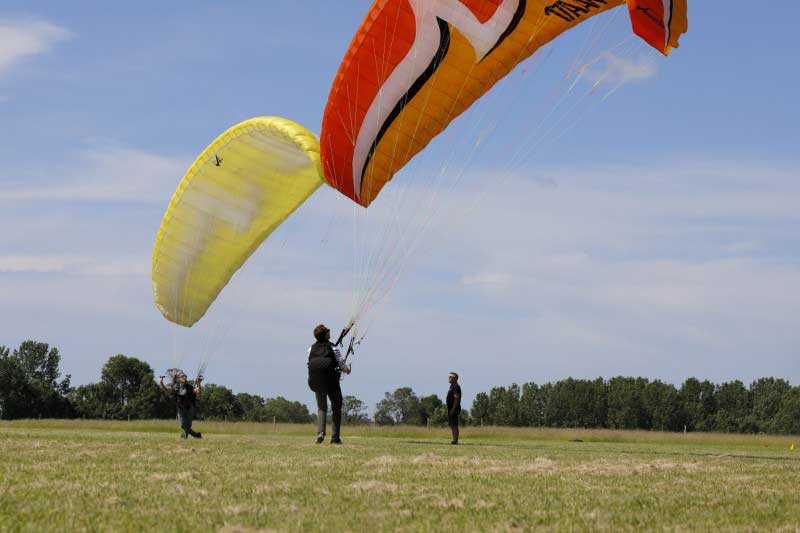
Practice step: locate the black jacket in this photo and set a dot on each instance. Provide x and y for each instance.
(185, 396)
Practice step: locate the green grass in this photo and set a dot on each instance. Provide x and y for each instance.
(90, 475)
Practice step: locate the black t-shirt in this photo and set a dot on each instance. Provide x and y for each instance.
(455, 390)
(185, 396)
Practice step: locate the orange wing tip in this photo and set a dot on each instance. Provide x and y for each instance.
(659, 22)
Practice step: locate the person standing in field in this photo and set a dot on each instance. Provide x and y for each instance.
(325, 365)
(186, 395)
(453, 405)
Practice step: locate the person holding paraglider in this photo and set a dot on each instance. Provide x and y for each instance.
(325, 366)
(186, 394)
(453, 405)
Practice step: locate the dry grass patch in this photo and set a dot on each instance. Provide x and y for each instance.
(605, 467)
(383, 461)
(237, 509)
(282, 487)
(244, 529)
(374, 486)
(170, 476)
(445, 503)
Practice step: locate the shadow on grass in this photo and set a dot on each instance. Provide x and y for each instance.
(780, 458)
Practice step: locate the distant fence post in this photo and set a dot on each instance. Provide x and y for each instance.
(274, 423)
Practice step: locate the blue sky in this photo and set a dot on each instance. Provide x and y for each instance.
(654, 233)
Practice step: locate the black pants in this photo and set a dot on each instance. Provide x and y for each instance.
(329, 389)
(452, 420)
(186, 416)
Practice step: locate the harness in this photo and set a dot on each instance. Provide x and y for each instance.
(185, 396)
(351, 347)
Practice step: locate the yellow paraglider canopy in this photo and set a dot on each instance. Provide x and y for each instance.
(235, 194)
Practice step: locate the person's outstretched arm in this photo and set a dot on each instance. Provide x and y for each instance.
(164, 389)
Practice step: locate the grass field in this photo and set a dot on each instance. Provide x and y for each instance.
(122, 476)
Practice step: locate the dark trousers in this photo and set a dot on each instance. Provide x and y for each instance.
(331, 390)
(186, 416)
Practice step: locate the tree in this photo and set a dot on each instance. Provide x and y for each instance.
(220, 403)
(625, 406)
(31, 381)
(767, 395)
(698, 404)
(383, 414)
(599, 402)
(17, 396)
(92, 400)
(787, 419)
(481, 409)
(354, 411)
(252, 406)
(575, 403)
(400, 407)
(663, 406)
(734, 407)
(282, 410)
(130, 390)
(555, 411)
(427, 408)
(531, 405)
(40, 364)
(439, 416)
(504, 405)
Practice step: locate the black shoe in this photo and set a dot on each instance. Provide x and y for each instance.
(320, 438)
(455, 442)
(198, 435)
(184, 436)
(336, 441)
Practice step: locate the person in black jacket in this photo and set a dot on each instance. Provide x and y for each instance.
(325, 365)
(453, 405)
(186, 394)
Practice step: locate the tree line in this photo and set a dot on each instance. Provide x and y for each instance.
(32, 386)
(768, 405)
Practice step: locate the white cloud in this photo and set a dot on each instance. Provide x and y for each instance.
(17, 263)
(72, 264)
(618, 70)
(613, 70)
(669, 268)
(104, 172)
(492, 279)
(619, 270)
(26, 38)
